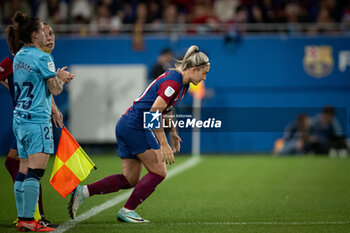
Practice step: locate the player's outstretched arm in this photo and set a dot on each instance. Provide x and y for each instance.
(165, 150)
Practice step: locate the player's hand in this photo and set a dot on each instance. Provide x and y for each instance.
(70, 77)
(175, 141)
(167, 154)
(64, 75)
(57, 117)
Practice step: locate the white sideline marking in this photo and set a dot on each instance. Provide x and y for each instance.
(259, 223)
(122, 197)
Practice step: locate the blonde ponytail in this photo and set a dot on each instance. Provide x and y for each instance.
(192, 58)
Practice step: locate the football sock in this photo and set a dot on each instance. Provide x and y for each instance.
(12, 166)
(31, 186)
(143, 189)
(19, 193)
(86, 192)
(40, 202)
(108, 184)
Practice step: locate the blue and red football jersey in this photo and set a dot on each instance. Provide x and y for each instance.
(168, 85)
(6, 72)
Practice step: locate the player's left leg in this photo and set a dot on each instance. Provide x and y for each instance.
(131, 170)
(152, 160)
(36, 168)
(18, 186)
(37, 146)
(12, 163)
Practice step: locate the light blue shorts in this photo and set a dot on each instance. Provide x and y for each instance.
(33, 138)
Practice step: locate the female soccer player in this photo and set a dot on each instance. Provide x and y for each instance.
(150, 148)
(35, 80)
(6, 78)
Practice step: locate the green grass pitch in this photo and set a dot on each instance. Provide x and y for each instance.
(220, 194)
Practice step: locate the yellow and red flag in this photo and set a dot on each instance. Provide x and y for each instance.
(198, 91)
(72, 165)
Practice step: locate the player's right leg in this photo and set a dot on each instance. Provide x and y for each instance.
(34, 145)
(152, 160)
(12, 165)
(18, 186)
(131, 170)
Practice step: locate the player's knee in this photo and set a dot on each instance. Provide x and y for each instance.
(132, 180)
(133, 183)
(13, 154)
(35, 173)
(160, 171)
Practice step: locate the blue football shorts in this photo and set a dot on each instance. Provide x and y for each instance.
(132, 141)
(14, 144)
(56, 131)
(33, 138)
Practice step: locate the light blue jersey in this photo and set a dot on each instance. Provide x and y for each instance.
(31, 67)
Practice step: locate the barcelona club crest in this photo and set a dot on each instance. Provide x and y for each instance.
(318, 61)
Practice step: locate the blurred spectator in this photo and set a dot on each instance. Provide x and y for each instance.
(324, 15)
(334, 9)
(10, 7)
(170, 14)
(241, 14)
(296, 138)
(268, 10)
(129, 13)
(346, 15)
(116, 6)
(224, 9)
(163, 63)
(172, 22)
(164, 15)
(142, 14)
(323, 20)
(139, 27)
(185, 6)
(328, 134)
(257, 15)
(2, 6)
(81, 10)
(154, 11)
(104, 22)
(82, 26)
(294, 14)
(241, 18)
(53, 12)
(206, 20)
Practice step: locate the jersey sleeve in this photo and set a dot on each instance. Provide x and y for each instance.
(46, 66)
(168, 89)
(5, 69)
